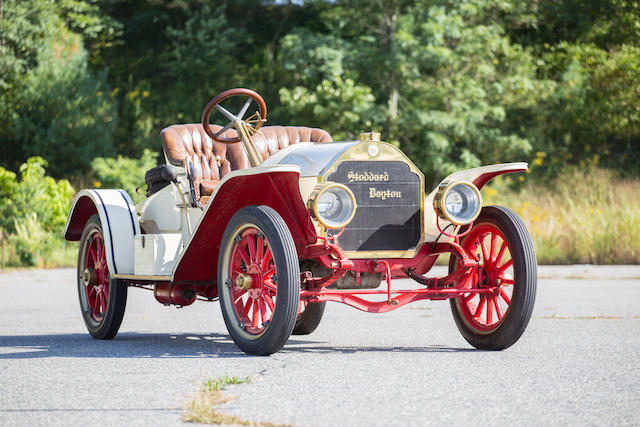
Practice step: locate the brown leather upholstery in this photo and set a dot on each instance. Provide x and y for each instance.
(212, 160)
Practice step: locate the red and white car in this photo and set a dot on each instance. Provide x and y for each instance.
(275, 221)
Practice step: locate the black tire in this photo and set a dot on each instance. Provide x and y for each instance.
(309, 319)
(516, 318)
(104, 322)
(155, 180)
(284, 257)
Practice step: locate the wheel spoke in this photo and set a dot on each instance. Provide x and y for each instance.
(503, 249)
(270, 286)
(505, 297)
(490, 311)
(469, 297)
(92, 255)
(100, 249)
(247, 308)
(245, 107)
(496, 304)
(269, 299)
(96, 305)
(493, 251)
(224, 129)
(270, 272)
(506, 265)
(506, 281)
(260, 250)
(267, 258)
(251, 245)
(226, 113)
(256, 314)
(483, 245)
(239, 295)
(263, 310)
(480, 307)
(244, 255)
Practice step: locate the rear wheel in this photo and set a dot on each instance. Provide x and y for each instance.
(309, 317)
(495, 319)
(259, 280)
(102, 299)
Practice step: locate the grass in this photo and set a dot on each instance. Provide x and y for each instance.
(584, 217)
(201, 408)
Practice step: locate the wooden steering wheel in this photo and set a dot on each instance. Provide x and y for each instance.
(253, 123)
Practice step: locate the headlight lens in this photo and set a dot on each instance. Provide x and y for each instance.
(459, 202)
(333, 205)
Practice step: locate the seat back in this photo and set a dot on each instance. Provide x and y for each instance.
(212, 160)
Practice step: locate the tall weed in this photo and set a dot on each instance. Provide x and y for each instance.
(584, 217)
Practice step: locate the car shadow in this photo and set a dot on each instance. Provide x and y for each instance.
(149, 345)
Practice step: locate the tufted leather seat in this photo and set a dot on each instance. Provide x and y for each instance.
(212, 160)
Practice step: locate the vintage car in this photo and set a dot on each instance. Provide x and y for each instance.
(275, 221)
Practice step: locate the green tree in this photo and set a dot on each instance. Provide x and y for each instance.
(52, 104)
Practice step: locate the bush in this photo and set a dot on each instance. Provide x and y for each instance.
(33, 212)
(123, 172)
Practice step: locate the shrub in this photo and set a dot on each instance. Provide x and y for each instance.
(123, 172)
(33, 211)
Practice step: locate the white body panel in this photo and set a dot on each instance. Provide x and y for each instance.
(431, 228)
(119, 226)
(156, 254)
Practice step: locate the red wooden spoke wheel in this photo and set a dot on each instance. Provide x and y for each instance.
(484, 312)
(96, 277)
(495, 318)
(102, 299)
(258, 280)
(252, 272)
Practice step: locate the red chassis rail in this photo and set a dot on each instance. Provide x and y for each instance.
(331, 256)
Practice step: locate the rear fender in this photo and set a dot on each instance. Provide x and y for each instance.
(275, 186)
(479, 177)
(119, 224)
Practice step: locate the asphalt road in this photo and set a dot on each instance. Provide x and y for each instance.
(578, 362)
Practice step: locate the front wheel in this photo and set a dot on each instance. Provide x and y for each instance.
(496, 318)
(102, 298)
(258, 280)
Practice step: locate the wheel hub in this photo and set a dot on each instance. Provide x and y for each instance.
(243, 281)
(90, 277)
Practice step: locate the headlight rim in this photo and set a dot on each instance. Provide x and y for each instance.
(441, 196)
(315, 197)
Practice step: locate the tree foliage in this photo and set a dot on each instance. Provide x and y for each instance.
(455, 84)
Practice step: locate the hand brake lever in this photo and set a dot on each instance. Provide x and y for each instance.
(191, 172)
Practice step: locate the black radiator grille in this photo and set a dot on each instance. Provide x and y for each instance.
(389, 198)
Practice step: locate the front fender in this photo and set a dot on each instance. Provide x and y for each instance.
(478, 176)
(119, 224)
(275, 186)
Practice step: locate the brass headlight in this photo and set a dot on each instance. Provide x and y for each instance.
(458, 202)
(333, 205)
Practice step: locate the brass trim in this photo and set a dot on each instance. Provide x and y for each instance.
(142, 277)
(441, 195)
(247, 143)
(313, 205)
(386, 153)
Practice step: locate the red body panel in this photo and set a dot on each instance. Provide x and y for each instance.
(82, 211)
(486, 177)
(278, 190)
